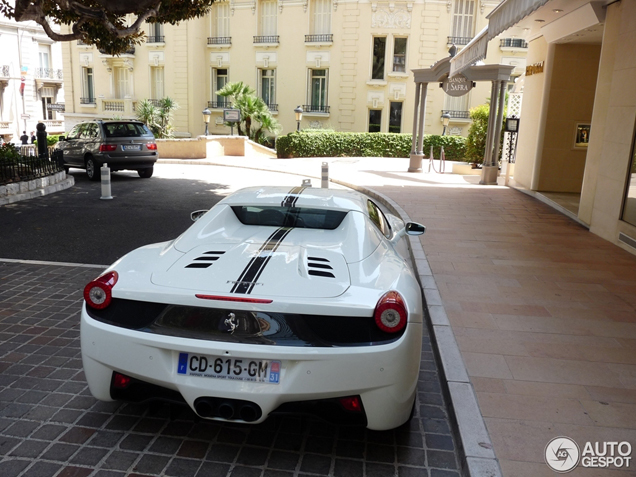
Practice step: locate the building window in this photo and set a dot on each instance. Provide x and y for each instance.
(318, 91)
(88, 87)
(629, 206)
(219, 80)
(321, 24)
(44, 53)
(395, 118)
(155, 33)
(375, 120)
(267, 87)
(220, 18)
(463, 20)
(122, 83)
(379, 49)
(456, 105)
(268, 18)
(156, 82)
(48, 97)
(399, 55)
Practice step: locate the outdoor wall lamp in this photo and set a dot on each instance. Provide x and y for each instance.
(445, 120)
(206, 119)
(299, 116)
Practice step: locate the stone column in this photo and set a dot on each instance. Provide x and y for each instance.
(490, 168)
(415, 164)
(415, 109)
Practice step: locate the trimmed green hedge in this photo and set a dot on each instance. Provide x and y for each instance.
(345, 144)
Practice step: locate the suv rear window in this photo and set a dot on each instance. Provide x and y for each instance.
(301, 217)
(125, 130)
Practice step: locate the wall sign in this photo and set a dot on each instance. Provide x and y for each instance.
(534, 69)
(458, 85)
(231, 116)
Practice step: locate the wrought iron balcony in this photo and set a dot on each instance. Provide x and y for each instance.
(4, 70)
(512, 43)
(273, 107)
(219, 104)
(313, 108)
(87, 100)
(156, 39)
(129, 51)
(457, 114)
(459, 40)
(266, 39)
(219, 40)
(155, 102)
(322, 38)
(48, 73)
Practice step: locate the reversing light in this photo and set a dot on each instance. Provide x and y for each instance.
(151, 146)
(98, 293)
(390, 312)
(351, 403)
(121, 381)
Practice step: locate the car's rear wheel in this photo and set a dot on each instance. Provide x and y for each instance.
(145, 173)
(92, 169)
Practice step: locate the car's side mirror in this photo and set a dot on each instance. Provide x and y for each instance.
(197, 214)
(413, 228)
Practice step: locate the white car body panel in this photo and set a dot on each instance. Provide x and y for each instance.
(364, 263)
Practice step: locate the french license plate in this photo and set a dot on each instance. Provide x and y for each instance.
(134, 147)
(254, 370)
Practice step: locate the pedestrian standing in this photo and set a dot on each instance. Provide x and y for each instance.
(24, 138)
(33, 138)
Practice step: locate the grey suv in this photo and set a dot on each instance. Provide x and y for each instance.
(123, 144)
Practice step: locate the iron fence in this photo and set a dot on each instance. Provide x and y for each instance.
(266, 39)
(457, 114)
(27, 168)
(512, 43)
(314, 108)
(322, 38)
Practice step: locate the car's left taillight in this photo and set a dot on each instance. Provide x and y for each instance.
(390, 312)
(98, 293)
(151, 146)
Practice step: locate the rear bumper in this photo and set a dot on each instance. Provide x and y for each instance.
(128, 162)
(385, 377)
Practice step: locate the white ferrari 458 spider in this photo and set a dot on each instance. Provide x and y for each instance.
(273, 301)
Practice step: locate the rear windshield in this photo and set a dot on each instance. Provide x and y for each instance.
(125, 130)
(300, 217)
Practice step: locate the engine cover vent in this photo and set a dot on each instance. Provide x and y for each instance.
(317, 267)
(205, 260)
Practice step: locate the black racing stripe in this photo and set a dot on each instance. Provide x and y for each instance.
(251, 262)
(245, 283)
(292, 197)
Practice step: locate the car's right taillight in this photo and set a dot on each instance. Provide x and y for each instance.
(98, 293)
(390, 312)
(151, 146)
(107, 147)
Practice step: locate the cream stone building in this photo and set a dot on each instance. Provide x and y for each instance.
(577, 140)
(346, 63)
(31, 80)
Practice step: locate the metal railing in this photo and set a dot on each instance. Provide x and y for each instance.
(156, 39)
(457, 114)
(87, 100)
(266, 39)
(129, 51)
(312, 108)
(4, 70)
(53, 124)
(48, 73)
(272, 107)
(512, 43)
(155, 102)
(219, 40)
(459, 40)
(26, 168)
(219, 104)
(322, 38)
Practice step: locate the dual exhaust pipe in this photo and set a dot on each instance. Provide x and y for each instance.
(228, 409)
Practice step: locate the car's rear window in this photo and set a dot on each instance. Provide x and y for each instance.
(301, 217)
(125, 130)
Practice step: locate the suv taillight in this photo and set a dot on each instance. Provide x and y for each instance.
(151, 146)
(107, 147)
(390, 312)
(98, 293)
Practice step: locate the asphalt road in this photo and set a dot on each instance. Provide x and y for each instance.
(76, 226)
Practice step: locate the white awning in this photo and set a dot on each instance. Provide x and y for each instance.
(474, 51)
(510, 12)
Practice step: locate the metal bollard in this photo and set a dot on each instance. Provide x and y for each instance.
(105, 174)
(325, 175)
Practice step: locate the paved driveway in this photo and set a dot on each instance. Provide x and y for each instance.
(51, 426)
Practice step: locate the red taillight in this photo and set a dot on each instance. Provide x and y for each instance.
(98, 293)
(121, 381)
(151, 146)
(107, 148)
(351, 403)
(233, 298)
(390, 312)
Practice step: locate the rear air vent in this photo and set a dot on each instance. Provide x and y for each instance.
(205, 260)
(627, 240)
(317, 267)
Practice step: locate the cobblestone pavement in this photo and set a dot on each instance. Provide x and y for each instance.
(50, 425)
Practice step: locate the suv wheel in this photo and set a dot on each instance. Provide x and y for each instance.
(145, 173)
(92, 169)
